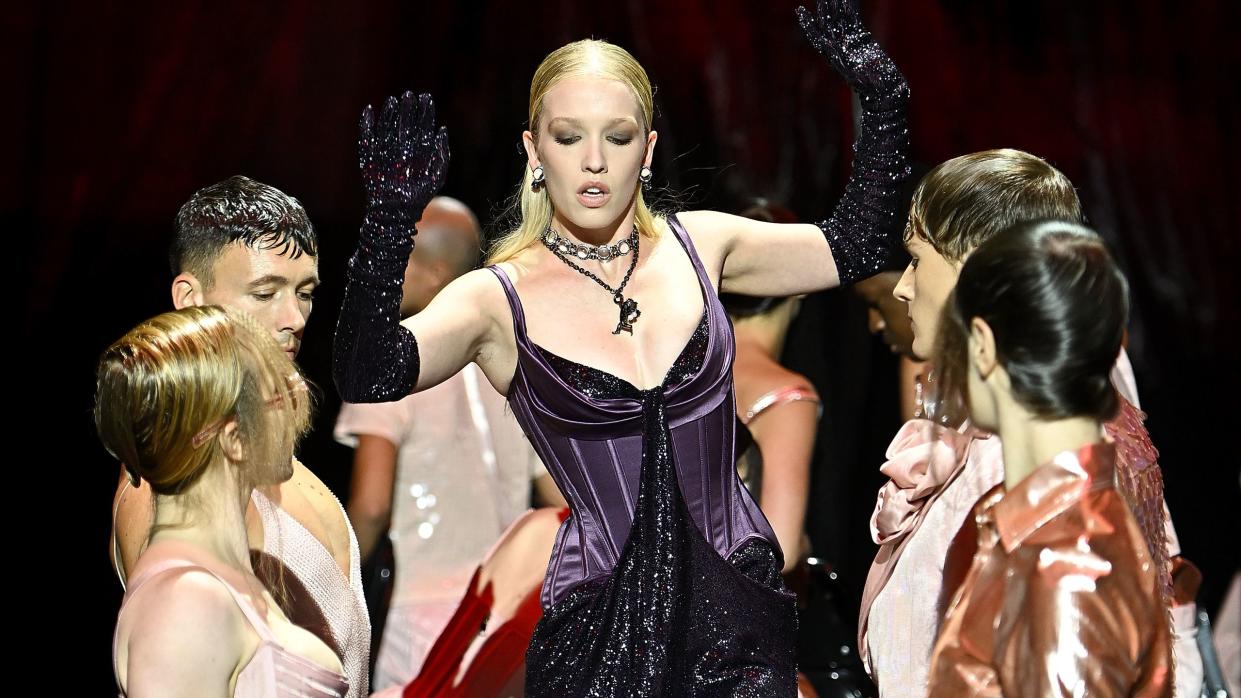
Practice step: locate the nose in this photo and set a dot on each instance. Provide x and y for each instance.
(904, 290)
(874, 320)
(291, 317)
(593, 160)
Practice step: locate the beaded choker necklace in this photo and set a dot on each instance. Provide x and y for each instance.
(603, 253)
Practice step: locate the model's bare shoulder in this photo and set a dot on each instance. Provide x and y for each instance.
(711, 224)
(708, 228)
(712, 233)
(153, 649)
(486, 292)
(308, 500)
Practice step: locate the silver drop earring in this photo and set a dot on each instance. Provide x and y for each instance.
(537, 180)
(645, 175)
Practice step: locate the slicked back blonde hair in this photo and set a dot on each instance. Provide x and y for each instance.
(585, 57)
(185, 373)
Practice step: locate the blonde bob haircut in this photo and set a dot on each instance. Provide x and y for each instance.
(585, 57)
(966, 201)
(166, 388)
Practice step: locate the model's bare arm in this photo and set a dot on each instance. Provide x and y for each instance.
(767, 259)
(162, 659)
(370, 491)
(785, 435)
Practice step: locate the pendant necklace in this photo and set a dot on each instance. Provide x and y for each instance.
(564, 249)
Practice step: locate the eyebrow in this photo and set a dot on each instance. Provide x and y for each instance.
(278, 280)
(577, 122)
(273, 279)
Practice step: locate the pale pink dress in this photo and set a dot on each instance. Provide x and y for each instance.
(337, 596)
(272, 672)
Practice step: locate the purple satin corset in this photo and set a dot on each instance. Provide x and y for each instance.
(592, 443)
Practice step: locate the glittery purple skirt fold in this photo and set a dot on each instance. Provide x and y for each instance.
(674, 618)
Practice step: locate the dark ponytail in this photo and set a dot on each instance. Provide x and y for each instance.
(1057, 306)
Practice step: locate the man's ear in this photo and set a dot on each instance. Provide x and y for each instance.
(982, 347)
(187, 291)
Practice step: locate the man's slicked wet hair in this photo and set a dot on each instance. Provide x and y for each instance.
(238, 209)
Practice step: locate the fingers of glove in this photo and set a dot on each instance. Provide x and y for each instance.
(828, 12)
(805, 21)
(837, 32)
(388, 119)
(408, 119)
(821, 34)
(442, 154)
(840, 12)
(425, 126)
(366, 133)
(366, 123)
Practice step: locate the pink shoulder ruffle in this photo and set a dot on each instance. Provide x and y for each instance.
(921, 459)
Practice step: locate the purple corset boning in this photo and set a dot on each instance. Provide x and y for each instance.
(592, 446)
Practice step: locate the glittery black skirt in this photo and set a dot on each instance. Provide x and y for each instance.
(674, 618)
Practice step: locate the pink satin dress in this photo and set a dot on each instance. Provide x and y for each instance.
(272, 672)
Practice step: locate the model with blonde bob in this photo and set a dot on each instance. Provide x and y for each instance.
(204, 405)
(601, 323)
(168, 377)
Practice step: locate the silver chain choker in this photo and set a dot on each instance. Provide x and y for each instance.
(602, 253)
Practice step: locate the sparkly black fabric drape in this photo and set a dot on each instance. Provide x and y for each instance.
(115, 116)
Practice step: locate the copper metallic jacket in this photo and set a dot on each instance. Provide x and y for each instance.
(1061, 598)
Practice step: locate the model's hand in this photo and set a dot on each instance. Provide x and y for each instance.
(403, 157)
(836, 32)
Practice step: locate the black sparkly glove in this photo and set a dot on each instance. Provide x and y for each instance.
(403, 159)
(867, 218)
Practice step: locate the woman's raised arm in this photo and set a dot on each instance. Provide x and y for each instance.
(766, 259)
(375, 358)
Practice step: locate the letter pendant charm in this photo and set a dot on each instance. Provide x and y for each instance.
(629, 313)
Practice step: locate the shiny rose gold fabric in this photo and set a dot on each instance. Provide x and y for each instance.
(1062, 597)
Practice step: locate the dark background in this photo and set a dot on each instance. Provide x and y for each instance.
(116, 116)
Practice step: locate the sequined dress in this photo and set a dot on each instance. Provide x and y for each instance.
(665, 578)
